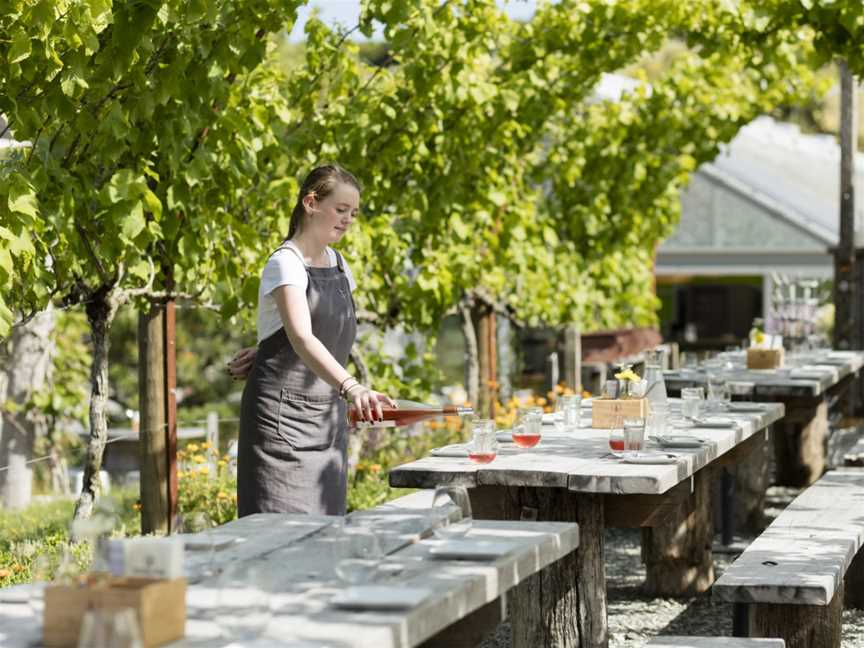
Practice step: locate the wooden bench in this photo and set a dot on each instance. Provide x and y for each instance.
(789, 582)
(713, 642)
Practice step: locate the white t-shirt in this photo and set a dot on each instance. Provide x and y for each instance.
(286, 268)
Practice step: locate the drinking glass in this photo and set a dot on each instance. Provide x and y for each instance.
(484, 445)
(572, 410)
(104, 628)
(243, 609)
(718, 393)
(559, 415)
(451, 512)
(201, 524)
(691, 403)
(616, 436)
(526, 431)
(634, 435)
(359, 553)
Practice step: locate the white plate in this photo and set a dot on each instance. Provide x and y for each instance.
(380, 597)
(200, 541)
(679, 441)
(455, 450)
(746, 407)
(715, 422)
(649, 458)
(470, 549)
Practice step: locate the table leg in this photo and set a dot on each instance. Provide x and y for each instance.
(799, 442)
(677, 555)
(564, 605)
(751, 483)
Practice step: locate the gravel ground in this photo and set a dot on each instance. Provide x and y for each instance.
(635, 617)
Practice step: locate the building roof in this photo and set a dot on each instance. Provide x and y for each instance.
(771, 197)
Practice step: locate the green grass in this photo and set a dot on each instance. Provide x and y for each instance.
(43, 530)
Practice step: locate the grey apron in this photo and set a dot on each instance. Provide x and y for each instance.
(292, 454)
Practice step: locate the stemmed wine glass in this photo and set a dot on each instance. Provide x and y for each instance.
(243, 610)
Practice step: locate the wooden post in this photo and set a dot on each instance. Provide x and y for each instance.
(213, 440)
(677, 555)
(170, 403)
(573, 358)
(153, 447)
(484, 325)
(847, 301)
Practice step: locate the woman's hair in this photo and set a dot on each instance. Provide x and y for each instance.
(320, 183)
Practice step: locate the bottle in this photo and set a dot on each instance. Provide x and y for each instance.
(658, 402)
(408, 412)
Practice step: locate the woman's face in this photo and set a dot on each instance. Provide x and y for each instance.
(331, 217)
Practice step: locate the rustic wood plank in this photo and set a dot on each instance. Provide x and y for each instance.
(801, 558)
(634, 511)
(581, 462)
(713, 642)
(458, 588)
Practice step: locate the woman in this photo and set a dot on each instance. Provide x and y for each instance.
(292, 455)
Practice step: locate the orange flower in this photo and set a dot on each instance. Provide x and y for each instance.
(5, 573)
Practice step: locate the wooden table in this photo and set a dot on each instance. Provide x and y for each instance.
(570, 477)
(297, 555)
(798, 439)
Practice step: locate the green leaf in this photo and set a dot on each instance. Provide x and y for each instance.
(20, 49)
(134, 221)
(22, 200)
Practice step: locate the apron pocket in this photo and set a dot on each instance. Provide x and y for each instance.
(307, 424)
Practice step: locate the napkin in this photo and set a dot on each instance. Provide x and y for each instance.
(380, 597)
(807, 372)
(453, 450)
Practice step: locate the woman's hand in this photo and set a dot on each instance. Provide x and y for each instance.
(240, 365)
(369, 402)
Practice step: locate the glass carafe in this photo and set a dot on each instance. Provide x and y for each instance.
(658, 402)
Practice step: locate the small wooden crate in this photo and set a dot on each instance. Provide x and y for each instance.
(159, 604)
(764, 358)
(605, 411)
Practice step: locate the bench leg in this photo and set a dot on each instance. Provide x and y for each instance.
(799, 442)
(854, 583)
(470, 631)
(564, 605)
(802, 626)
(677, 555)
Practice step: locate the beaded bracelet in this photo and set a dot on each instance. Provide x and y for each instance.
(343, 391)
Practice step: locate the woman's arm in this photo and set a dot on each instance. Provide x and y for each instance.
(294, 311)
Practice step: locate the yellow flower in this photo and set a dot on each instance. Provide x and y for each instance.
(222, 495)
(375, 469)
(204, 470)
(5, 573)
(192, 447)
(221, 463)
(628, 374)
(541, 401)
(198, 459)
(137, 506)
(206, 445)
(760, 337)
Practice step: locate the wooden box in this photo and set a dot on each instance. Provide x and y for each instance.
(159, 604)
(605, 411)
(764, 358)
